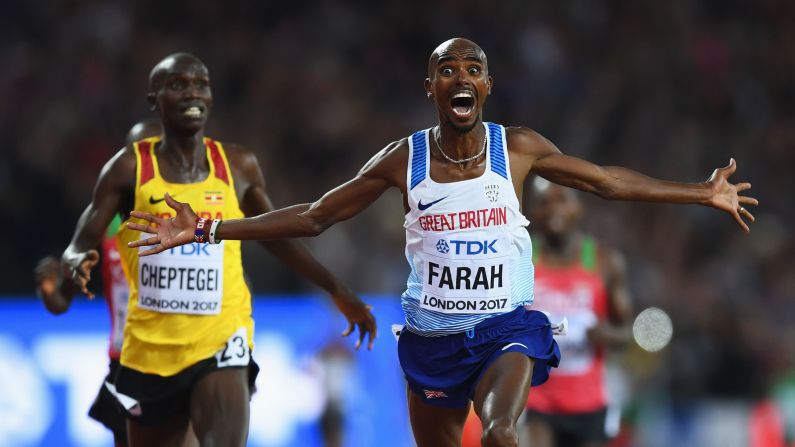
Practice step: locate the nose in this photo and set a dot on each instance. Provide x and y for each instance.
(462, 76)
(193, 91)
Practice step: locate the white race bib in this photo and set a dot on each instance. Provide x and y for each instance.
(185, 280)
(466, 274)
(236, 351)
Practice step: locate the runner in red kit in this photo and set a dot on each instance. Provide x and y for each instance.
(584, 282)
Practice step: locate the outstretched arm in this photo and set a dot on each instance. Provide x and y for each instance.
(384, 170)
(296, 256)
(617, 183)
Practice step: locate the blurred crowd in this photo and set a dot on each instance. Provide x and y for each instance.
(672, 89)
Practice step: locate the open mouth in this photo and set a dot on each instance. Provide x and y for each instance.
(463, 103)
(193, 112)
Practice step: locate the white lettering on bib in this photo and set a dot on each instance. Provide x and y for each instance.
(186, 280)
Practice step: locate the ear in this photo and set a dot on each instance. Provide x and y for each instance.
(151, 98)
(428, 91)
(490, 83)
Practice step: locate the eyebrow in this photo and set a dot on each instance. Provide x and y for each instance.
(448, 57)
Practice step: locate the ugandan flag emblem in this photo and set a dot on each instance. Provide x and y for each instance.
(214, 198)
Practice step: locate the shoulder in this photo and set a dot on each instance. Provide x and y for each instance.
(392, 155)
(388, 164)
(124, 161)
(236, 152)
(118, 174)
(524, 141)
(241, 159)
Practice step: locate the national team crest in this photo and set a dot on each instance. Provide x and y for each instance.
(492, 192)
(213, 198)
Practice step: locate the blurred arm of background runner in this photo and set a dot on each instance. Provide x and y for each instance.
(616, 330)
(48, 277)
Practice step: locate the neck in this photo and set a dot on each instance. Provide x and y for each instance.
(562, 249)
(185, 149)
(460, 144)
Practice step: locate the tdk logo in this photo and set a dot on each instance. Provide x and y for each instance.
(467, 247)
(194, 249)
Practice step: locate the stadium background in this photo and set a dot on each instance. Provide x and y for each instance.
(672, 89)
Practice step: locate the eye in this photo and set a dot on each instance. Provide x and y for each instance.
(446, 71)
(473, 70)
(174, 85)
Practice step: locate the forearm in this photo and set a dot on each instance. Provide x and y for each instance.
(290, 222)
(626, 184)
(617, 183)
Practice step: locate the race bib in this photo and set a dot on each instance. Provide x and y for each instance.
(466, 274)
(185, 280)
(575, 346)
(236, 351)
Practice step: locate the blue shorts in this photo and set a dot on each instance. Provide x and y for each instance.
(444, 371)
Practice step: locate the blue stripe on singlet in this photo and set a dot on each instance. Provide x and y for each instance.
(496, 150)
(418, 158)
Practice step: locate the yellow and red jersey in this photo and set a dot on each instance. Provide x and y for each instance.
(187, 301)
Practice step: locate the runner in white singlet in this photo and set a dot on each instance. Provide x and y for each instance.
(460, 157)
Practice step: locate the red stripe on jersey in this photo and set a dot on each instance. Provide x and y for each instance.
(218, 161)
(147, 167)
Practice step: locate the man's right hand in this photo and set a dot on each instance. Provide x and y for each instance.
(169, 232)
(46, 274)
(80, 270)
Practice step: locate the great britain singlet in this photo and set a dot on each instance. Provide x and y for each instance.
(466, 243)
(187, 301)
(577, 292)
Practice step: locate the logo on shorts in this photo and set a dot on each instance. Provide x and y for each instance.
(442, 246)
(492, 192)
(434, 394)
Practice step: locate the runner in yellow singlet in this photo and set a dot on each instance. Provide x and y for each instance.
(186, 356)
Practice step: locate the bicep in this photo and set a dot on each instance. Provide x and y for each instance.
(107, 199)
(384, 170)
(571, 171)
(347, 200)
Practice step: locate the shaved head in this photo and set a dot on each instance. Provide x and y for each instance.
(172, 63)
(458, 46)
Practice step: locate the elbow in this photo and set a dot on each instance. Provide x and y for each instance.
(607, 192)
(317, 228)
(314, 227)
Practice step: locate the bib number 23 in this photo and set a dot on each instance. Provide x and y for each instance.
(236, 351)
